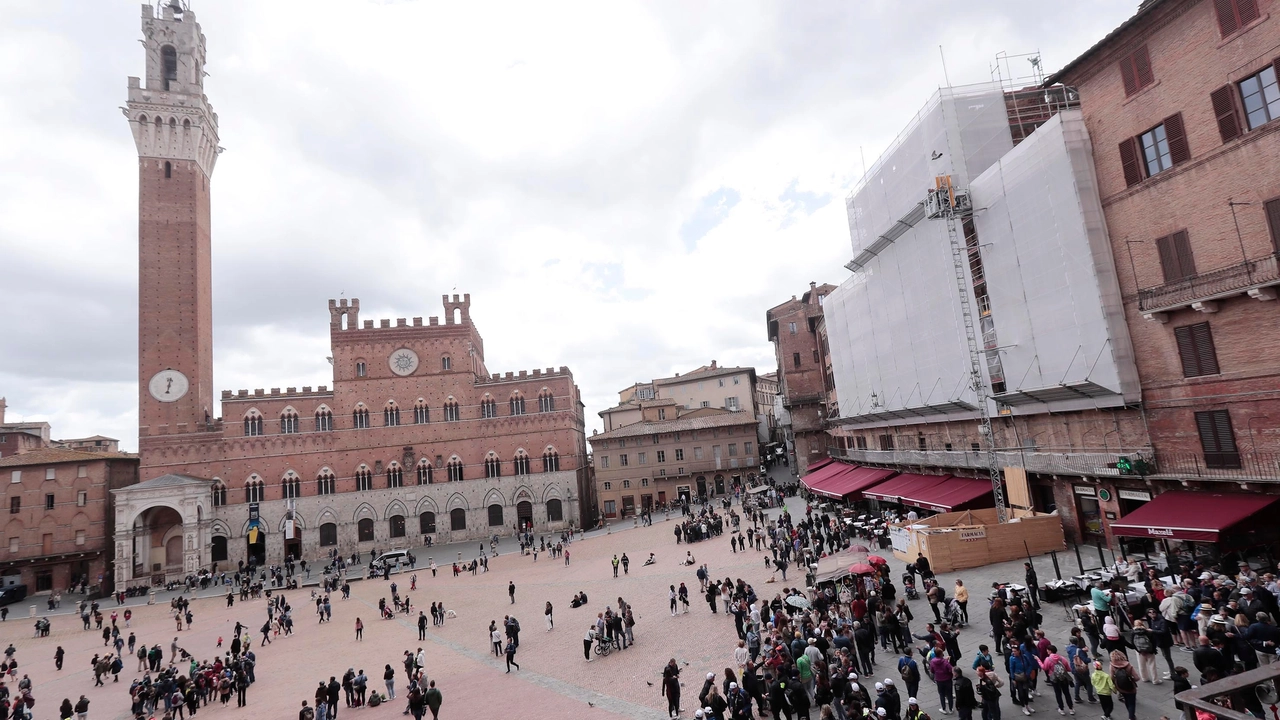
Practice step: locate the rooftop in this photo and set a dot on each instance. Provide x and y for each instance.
(702, 373)
(723, 418)
(48, 456)
(1143, 9)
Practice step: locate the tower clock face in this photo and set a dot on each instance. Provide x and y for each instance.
(168, 385)
(403, 361)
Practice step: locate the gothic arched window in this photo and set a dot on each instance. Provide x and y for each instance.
(395, 476)
(324, 419)
(455, 470)
(253, 490)
(546, 401)
(360, 418)
(252, 424)
(391, 414)
(325, 482)
(424, 472)
(289, 422)
(492, 466)
(364, 478)
(421, 413)
(168, 65)
(291, 486)
(520, 465)
(488, 407)
(517, 403)
(550, 461)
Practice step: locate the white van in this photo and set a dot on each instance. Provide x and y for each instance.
(390, 557)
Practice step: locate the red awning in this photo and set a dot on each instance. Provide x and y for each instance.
(1185, 515)
(853, 482)
(949, 494)
(823, 474)
(903, 486)
(818, 465)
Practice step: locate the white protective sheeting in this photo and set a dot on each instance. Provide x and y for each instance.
(895, 327)
(1051, 275)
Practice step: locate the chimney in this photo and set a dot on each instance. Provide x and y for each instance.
(813, 285)
(713, 364)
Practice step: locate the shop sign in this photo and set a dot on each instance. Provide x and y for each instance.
(1160, 532)
(971, 534)
(1085, 490)
(1142, 495)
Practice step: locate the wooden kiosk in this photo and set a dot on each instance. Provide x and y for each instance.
(972, 538)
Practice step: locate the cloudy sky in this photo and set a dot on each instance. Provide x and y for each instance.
(623, 188)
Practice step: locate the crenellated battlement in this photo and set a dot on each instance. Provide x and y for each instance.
(523, 375)
(275, 393)
(344, 315)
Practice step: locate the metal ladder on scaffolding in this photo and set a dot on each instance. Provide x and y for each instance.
(945, 202)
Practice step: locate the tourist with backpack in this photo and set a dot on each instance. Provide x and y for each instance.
(1058, 673)
(910, 673)
(1144, 642)
(1125, 680)
(1081, 662)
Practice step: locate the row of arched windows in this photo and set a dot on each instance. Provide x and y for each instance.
(397, 527)
(291, 423)
(291, 485)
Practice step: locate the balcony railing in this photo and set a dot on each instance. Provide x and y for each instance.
(1224, 282)
(1233, 467)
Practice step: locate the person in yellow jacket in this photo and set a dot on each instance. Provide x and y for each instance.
(1104, 687)
(961, 595)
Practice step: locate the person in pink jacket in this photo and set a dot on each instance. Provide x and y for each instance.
(1057, 672)
(944, 675)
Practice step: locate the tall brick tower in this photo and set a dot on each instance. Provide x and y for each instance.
(176, 132)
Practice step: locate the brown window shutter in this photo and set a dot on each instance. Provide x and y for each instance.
(1168, 259)
(1175, 132)
(1272, 208)
(1247, 11)
(1206, 354)
(1227, 22)
(1224, 109)
(1142, 67)
(1128, 76)
(1129, 160)
(1222, 430)
(1182, 250)
(1187, 352)
(1205, 428)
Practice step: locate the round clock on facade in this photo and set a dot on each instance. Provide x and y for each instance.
(168, 385)
(403, 361)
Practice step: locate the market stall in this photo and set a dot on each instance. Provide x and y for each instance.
(973, 538)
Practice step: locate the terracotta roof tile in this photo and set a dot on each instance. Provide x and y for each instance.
(46, 456)
(706, 422)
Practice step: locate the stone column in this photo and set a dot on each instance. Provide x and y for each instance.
(190, 546)
(124, 557)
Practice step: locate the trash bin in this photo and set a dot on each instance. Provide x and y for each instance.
(151, 597)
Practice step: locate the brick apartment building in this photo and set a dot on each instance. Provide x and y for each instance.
(793, 330)
(766, 392)
(1182, 104)
(416, 439)
(60, 523)
(670, 453)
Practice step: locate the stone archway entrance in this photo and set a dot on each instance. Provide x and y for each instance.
(162, 529)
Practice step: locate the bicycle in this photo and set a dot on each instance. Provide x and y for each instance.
(604, 646)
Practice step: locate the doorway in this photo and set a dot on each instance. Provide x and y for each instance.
(256, 547)
(293, 548)
(702, 487)
(682, 492)
(719, 484)
(524, 513)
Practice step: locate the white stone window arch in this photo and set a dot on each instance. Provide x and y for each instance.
(395, 475)
(289, 423)
(364, 478)
(325, 482)
(488, 406)
(492, 465)
(252, 423)
(324, 419)
(253, 489)
(546, 400)
(425, 472)
(550, 459)
(391, 414)
(291, 485)
(452, 413)
(421, 412)
(219, 490)
(520, 463)
(456, 469)
(360, 417)
(516, 403)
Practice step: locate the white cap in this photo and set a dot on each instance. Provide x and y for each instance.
(881, 712)
(879, 686)
(733, 686)
(888, 681)
(856, 688)
(697, 713)
(711, 676)
(912, 701)
(853, 676)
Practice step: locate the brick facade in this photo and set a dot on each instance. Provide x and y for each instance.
(1231, 285)
(793, 330)
(413, 430)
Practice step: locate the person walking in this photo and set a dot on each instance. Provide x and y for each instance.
(511, 656)
(989, 690)
(673, 597)
(389, 677)
(511, 590)
(671, 687)
(1144, 642)
(359, 629)
(616, 562)
(433, 699)
(965, 699)
(551, 625)
(422, 623)
(1126, 682)
(961, 594)
(1103, 687)
(626, 564)
(1057, 673)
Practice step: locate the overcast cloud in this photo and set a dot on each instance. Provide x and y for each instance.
(623, 188)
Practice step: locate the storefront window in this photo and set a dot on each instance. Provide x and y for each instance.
(1089, 512)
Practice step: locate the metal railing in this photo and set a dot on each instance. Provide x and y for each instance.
(1246, 275)
(1233, 467)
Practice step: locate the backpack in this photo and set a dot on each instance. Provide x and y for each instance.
(1123, 680)
(308, 714)
(1059, 675)
(908, 672)
(1142, 642)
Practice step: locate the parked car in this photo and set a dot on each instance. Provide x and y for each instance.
(12, 594)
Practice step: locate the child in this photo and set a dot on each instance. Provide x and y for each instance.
(1104, 687)
(219, 641)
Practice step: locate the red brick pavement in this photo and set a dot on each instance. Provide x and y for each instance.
(554, 681)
